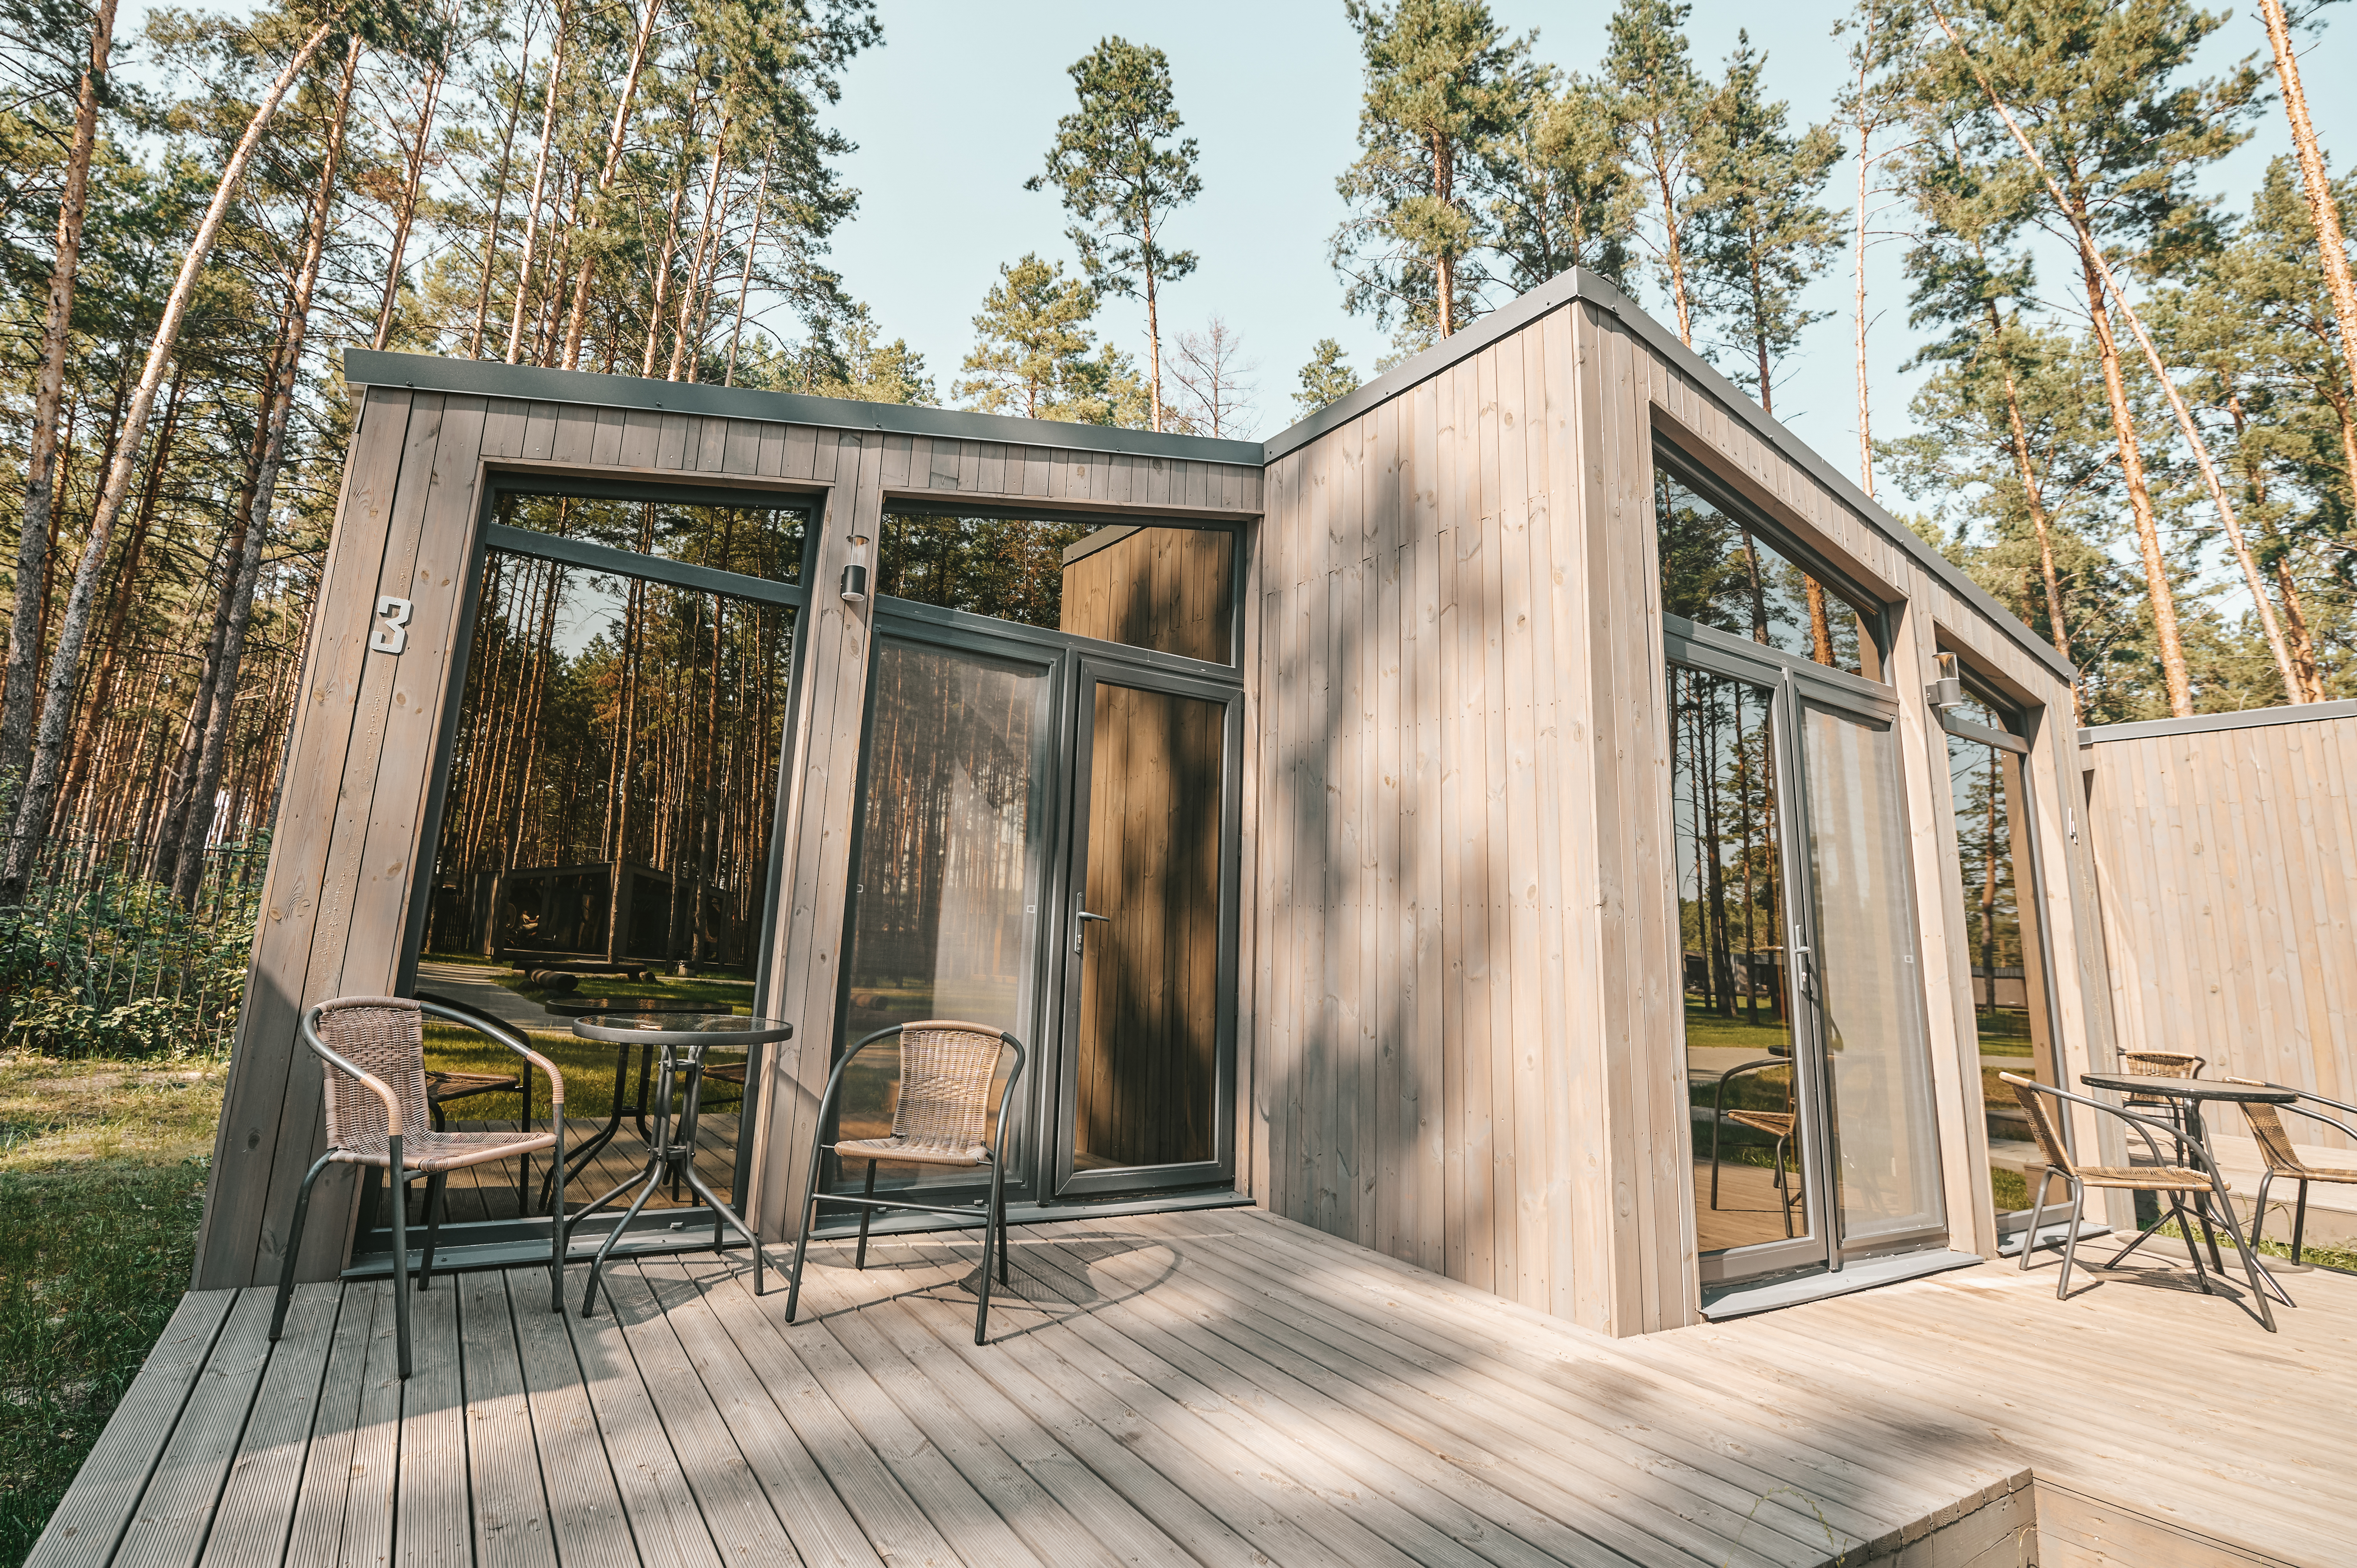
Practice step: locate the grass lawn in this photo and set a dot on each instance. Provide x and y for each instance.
(101, 1184)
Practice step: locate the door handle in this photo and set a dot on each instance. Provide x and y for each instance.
(1079, 930)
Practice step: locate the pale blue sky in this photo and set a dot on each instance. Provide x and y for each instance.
(958, 109)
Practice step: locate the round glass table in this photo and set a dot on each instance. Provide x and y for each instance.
(680, 1041)
(2187, 1096)
(568, 1005)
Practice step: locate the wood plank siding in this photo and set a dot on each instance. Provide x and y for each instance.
(336, 897)
(2225, 858)
(1467, 1026)
(1220, 1388)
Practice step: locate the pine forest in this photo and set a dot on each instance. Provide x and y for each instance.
(2132, 415)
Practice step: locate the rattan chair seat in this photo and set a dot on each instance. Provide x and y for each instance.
(1778, 1123)
(444, 1086)
(2146, 1179)
(427, 1150)
(908, 1149)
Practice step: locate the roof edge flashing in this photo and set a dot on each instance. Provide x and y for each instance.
(534, 383)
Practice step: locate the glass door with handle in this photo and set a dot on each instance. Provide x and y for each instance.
(1807, 1059)
(1145, 1097)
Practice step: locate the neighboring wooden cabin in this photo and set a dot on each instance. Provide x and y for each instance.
(1447, 848)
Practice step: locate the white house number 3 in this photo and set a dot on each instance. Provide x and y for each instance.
(391, 634)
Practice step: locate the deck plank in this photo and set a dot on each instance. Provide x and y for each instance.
(317, 1528)
(585, 1505)
(177, 1513)
(511, 1526)
(91, 1518)
(665, 1520)
(257, 1505)
(431, 1521)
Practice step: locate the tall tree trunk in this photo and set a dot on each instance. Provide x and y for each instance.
(1444, 264)
(2316, 183)
(407, 212)
(97, 703)
(499, 203)
(539, 184)
(1857, 268)
(194, 830)
(2033, 498)
(2100, 282)
(57, 700)
(25, 632)
(745, 282)
(2297, 637)
(614, 144)
(662, 278)
(1154, 320)
(693, 290)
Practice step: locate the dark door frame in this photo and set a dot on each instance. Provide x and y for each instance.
(1042, 1159)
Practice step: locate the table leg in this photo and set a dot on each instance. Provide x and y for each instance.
(2201, 1135)
(579, 1161)
(722, 1213)
(659, 1160)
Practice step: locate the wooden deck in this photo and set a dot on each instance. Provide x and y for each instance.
(1222, 1387)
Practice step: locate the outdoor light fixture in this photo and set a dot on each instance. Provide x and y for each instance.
(1947, 692)
(855, 572)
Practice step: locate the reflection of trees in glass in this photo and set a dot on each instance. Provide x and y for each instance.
(1984, 854)
(1716, 572)
(1007, 568)
(1724, 799)
(627, 732)
(752, 541)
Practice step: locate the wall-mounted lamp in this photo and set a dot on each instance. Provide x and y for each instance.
(1948, 691)
(855, 572)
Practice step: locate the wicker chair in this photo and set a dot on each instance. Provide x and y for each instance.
(372, 1049)
(2283, 1160)
(941, 1120)
(2173, 1181)
(1777, 1125)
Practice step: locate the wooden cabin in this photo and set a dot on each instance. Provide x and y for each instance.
(1550, 828)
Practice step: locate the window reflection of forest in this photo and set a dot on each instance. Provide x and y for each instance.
(2000, 936)
(752, 541)
(1717, 572)
(613, 778)
(1723, 792)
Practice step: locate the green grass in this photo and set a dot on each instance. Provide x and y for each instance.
(101, 1184)
(2343, 1259)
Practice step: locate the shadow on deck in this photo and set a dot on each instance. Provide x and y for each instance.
(1220, 1388)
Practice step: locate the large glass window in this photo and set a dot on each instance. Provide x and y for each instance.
(607, 818)
(1721, 569)
(1167, 588)
(1749, 1163)
(2010, 1018)
(756, 539)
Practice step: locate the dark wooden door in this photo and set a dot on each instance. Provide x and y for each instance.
(1148, 1053)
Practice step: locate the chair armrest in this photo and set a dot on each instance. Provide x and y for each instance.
(484, 1024)
(2167, 1129)
(2334, 1122)
(376, 1085)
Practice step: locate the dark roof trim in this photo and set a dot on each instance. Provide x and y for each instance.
(1582, 284)
(2198, 724)
(487, 378)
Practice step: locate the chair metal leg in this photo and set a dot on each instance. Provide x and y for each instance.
(809, 1217)
(437, 1199)
(866, 1214)
(1714, 1158)
(2037, 1217)
(294, 1244)
(2259, 1209)
(2298, 1223)
(1002, 1243)
(400, 1180)
(2262, 1282)
(1783, 1189)
(558, 1240)
(2078, 1190)
(2193, 1244)
(991, 1224)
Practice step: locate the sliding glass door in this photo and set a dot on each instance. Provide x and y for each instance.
(1807, 1058)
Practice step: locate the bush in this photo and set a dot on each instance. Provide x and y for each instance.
(98, 960)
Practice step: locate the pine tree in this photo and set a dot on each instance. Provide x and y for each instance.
(1326, 378)
(1762, 237)
(2316, 183)
(1036, 356)
(1444, 80)
(1561, 195)
(1121, 175)
(2122, 137)
(1660, 103)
